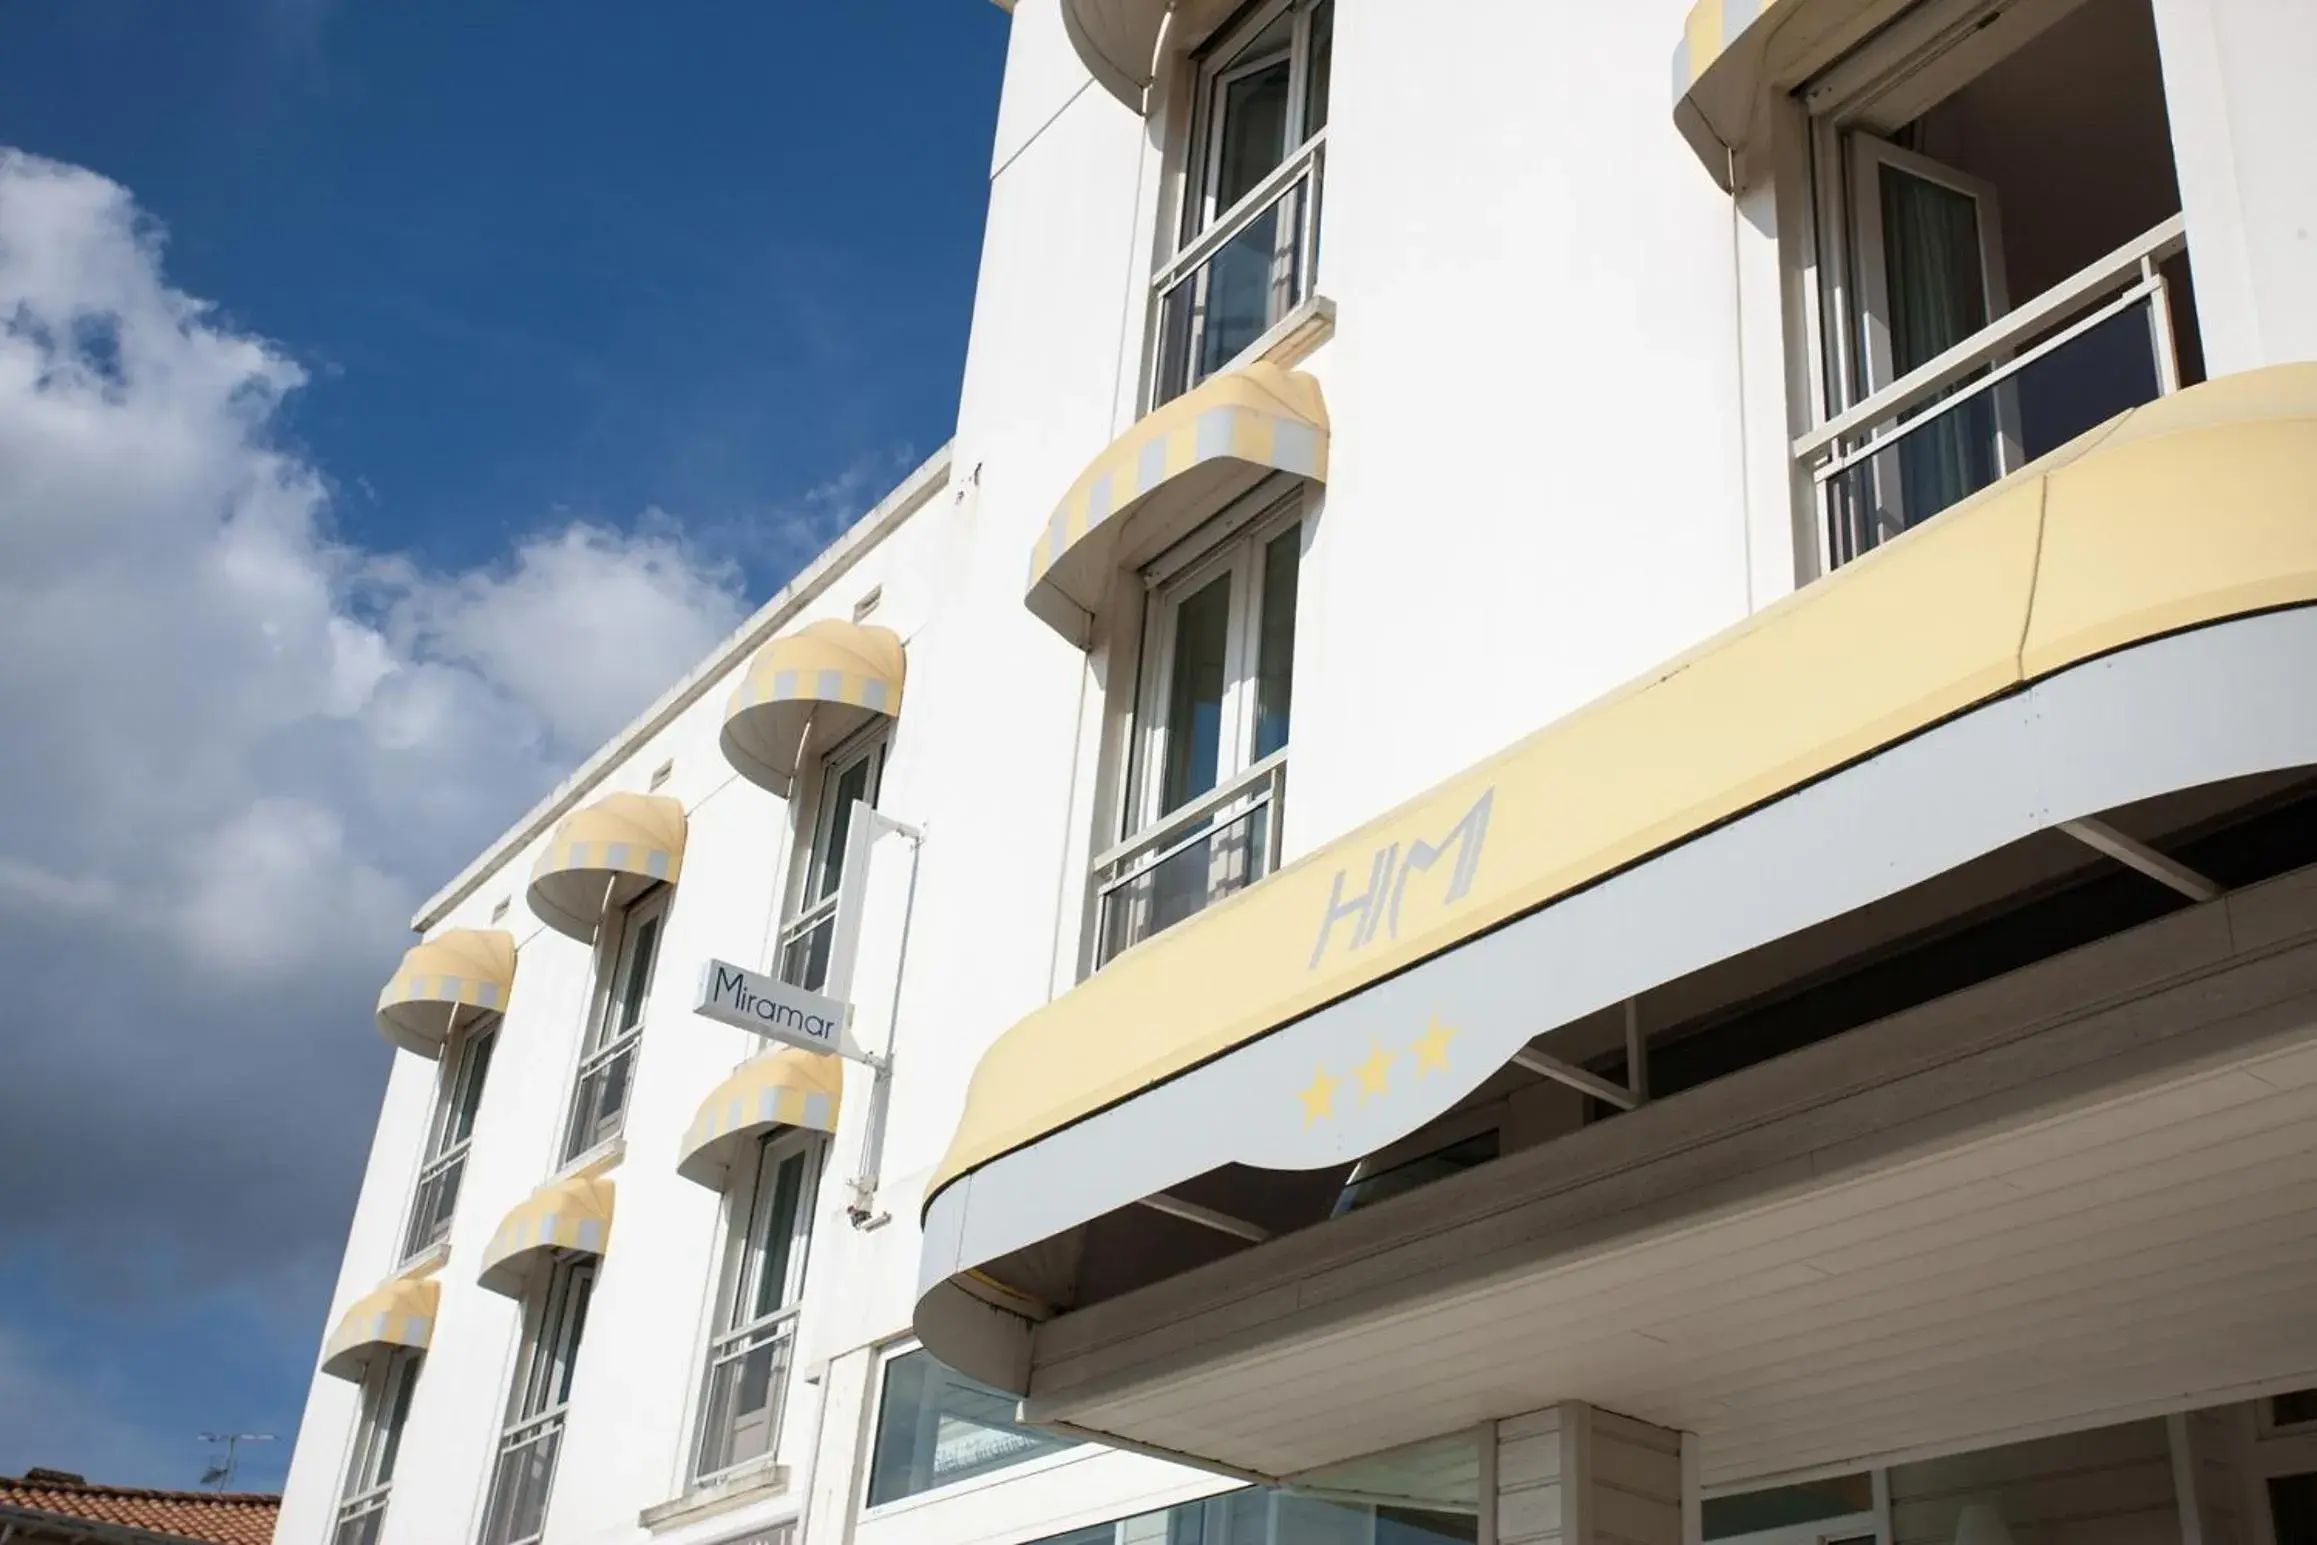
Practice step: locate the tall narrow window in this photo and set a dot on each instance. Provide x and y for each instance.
(607, 1064)
(936, 1427)
(387, 1389)
(849, 777)
(1249, 240)
(750, 1357)
(525, 1474)
(1207, 767)
(458, 1099)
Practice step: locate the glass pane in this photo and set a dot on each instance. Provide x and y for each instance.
(1417, 1173)
(518, 1510)
(1195, 682)
(475, 1064)
(1938, 297)
(852, 784)
(637, 981)
(1275, 649)
(777, 1236)
(1786, 1507)
(1321, 68)
(579, 1289)
(935, 1426)
(804, 960)
(361, 1529)
(398, 1398)
(1251, 114)
(2293, 1508)
(2294, 1409)
(745, 1391)
(600, 1103)
(1413, 1526)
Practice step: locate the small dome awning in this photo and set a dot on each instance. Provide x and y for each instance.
(446, 984)
(1117, 41)
(805, 692)
(605, 855)
(1175, 468)
(572, 1214)
(400, 1314)
(791, 1087)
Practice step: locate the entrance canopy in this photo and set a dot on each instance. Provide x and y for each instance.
(2084, 634)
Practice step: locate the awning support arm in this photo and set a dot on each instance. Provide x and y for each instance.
(1576, 1078)
(1206, 1217)
(2132, 853)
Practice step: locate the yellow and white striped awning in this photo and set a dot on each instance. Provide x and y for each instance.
(605, 855)
(790, 1087)
(573, 1214)
(806, 691)
(1175, 468)
(446, 984)
(400, 1314)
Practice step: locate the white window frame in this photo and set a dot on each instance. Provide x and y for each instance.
(378, 1432)
(1216, 69)
(889, 1354)
(555, 1325)
(817, 846)
(748, 1238)
(606, 1040)
(465, 1065)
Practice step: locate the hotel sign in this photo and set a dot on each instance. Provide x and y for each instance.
(776, 1010)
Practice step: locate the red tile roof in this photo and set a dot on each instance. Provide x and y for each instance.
(207, 1517)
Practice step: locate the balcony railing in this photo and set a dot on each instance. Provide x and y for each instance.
(2084, 350)
(525, 1474)
(437, 1199)
(1223, 841)
(805, 945)
(747, 1385)
(599, 1104)
(361, 1517)
(1238, 278)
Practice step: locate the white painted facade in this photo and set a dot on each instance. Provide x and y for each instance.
(1561, 375)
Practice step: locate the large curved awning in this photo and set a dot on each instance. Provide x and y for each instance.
(573, 1214)
(1735, 55)
(1173, 469)
(2132, 615)
(806, 691)
(400, 1314)
(603, 856)
(790, 1087)
(444, 985)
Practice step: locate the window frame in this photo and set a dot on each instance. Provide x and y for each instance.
(603, 1044)
(802, 911)
(1071, 1450)
(1213, 65)
(465, 1066)
(389, 1389)
(539, 1395)
(748, 1233)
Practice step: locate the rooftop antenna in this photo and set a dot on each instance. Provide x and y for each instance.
(219, 1474)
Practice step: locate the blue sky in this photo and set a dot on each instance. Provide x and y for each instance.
(393, 396)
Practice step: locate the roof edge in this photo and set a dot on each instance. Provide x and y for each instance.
(825, 570)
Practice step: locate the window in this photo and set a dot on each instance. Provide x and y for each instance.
(458, 1098)
(849, 776)
(935, 1427)
(748, 1362)
(387, 1388)
(1999, 257)
(1207, 763)
(607, 1064)
(525, 1474)
(1268, 1516)
(2293, 1509)
(1366, 1187)
(2298, 1409)
(1249, 241)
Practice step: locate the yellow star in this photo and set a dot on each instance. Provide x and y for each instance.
(1431, 1048)
(1376, 1070)
(1319, 1099)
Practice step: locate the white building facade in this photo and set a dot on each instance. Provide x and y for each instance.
(1571, 816)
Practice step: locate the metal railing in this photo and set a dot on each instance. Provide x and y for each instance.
(1875, 470)
(805, 945)
(1223, 841)
(747, 1385)
(522, 1479)
(1238, 278)
(436, 1200)
(361, 1517)
(599, 1102)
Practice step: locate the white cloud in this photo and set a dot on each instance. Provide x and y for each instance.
(238, 750)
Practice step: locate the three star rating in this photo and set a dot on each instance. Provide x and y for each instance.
(1375, 1075)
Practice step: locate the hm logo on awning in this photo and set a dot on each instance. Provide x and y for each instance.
(1378, 907)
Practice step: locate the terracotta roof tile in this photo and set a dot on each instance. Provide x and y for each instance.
(209, 1517)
